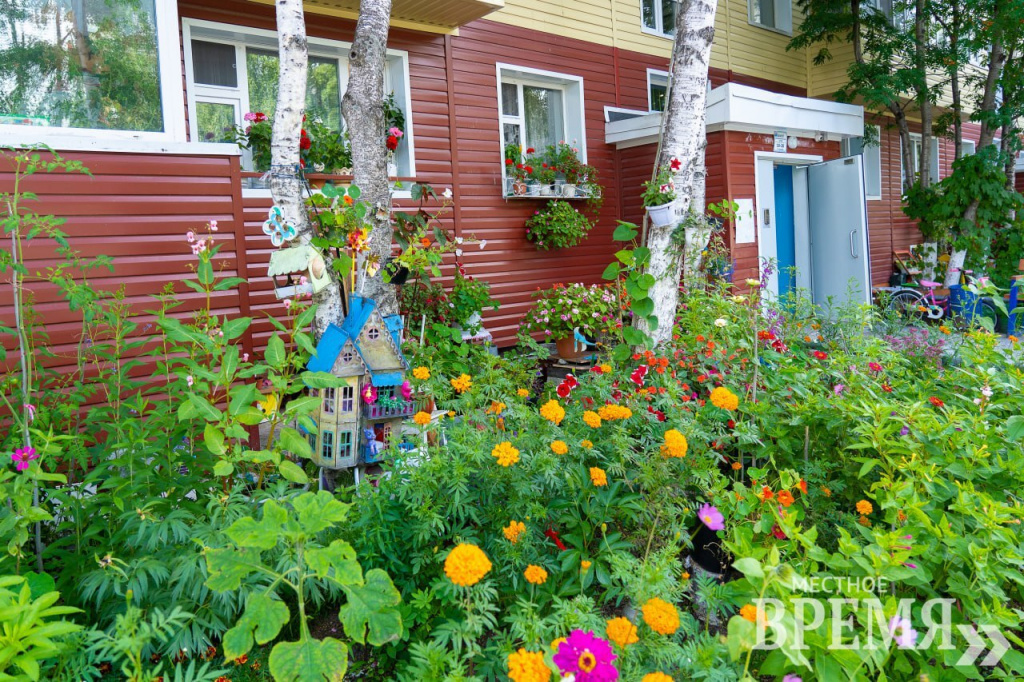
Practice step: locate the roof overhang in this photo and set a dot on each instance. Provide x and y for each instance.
(742, 108)
(432, 16)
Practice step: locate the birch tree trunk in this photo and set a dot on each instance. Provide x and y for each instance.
(363, 110)
(683, 138)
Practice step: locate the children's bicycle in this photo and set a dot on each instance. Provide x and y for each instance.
(913, 305)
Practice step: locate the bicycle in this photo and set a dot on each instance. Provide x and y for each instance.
(909, 303)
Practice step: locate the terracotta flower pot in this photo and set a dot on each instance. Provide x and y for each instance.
(519, 188)
(567, 348)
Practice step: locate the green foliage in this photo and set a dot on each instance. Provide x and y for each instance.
(629, 271)
(32, 627)
(558, 226)
(563, 308)
(661, 190)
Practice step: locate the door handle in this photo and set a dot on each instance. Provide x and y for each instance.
(853, 246)
(767, 218)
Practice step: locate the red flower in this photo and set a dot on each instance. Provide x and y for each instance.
(936, 402)
(570, 381)
(260, 117)
(766, 493)
(675, 164)
(874, 367)
(528, 169)
(563, 390)
(508, 162)
(731, 424)
(553, 534)
(637, 377)
(530, 150)
(777, 532)
(305, 142)
(803, 486)
(392, 142)
(820, 355)
(887, 388)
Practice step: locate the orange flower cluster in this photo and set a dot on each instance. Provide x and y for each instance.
(675, 444)
(535, 575)
(466, 565)
(661, 616)
(622, 632)
(724, 398)
(559, 447)
(611, 412)
(513, 530)
(592, 419)
(528, 666)
(598, 477)
(505, 453)
(553, 412)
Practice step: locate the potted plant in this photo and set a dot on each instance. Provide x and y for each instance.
(468, 298)
(546, 176)
(562, 310)
(660, 195)
(394, 131)
(517, 172)
(328, 150)
(255, 137)
(558, 226)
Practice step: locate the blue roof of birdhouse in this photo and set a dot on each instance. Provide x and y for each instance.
(334, 338)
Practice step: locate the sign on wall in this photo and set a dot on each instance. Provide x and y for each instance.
(745, 229)
(780, 142)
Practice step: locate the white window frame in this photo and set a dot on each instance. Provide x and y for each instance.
(574, 127)
(964, 149)
(783, 17)
(872, 159)
(348, 399)
(655, 77)
(659, 22)
(935, 171)
(396, 73)
(172, 104)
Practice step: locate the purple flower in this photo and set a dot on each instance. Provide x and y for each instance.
(907, 636)
(792, 678)
(838, 389)
(22, 456)
(586, 656)
(905, 430)
(711, 517)
(909, 565)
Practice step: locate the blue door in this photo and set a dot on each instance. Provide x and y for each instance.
(785, 232)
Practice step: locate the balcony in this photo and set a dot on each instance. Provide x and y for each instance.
(404, 409)
(432, 16)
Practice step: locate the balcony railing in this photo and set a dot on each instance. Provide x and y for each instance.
(403, 409)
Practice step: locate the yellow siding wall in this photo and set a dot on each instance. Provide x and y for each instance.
(739, 46)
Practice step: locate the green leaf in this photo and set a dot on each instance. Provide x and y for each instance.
(611, 272)
(652, 322)
(234, 328)
(645, 281)
(263, 534)
(369, 614)
(227, 567)
(205, 272)
(203, 408)
(223, 468)
(322, 380)
(749, 566)
(275, 354)
(295, 443)
(292, 471)
(643, 307)
(309, 660)
(242, 396)
(625, 256)
(340, 556)
(1015, 427)
(625, 232)
(642, 254)
(303, 405)
(306, 318)
(319, 511)
(263, 619)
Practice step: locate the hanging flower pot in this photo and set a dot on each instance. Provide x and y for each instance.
(395, 273)
(663, 215)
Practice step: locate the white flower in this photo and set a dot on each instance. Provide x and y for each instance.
(753, 283)
(483, 244)
(720, 322)
(458, 253)
(738, 299)
(213, 225)
(458, 240)
(977, 401)
(447, 193)
(986, 391)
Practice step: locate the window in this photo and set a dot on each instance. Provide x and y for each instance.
(657, 90)
(327, 452)
(311, 437)
(540, 108)
(344, 444)
(659, 16)
(347, 398)
(347, 357)
(968, 147)
(933, 164)
(773, 14)
(90, 65)
(329, 396)
(232, 70)
(872, 158)
(883, 6)
(373, 333)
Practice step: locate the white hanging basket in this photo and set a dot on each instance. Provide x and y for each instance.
(662, 216)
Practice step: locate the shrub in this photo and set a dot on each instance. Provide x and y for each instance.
(558, 226)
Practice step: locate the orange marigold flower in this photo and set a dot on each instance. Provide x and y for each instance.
(586, 444)
(421, 373)
(462, 383)
(598, 477)
(513, 530)
(535, 575)
(611, 412)
(864, 507)
(242, 660)
(736, 466)
(621, 631)
(496, 407)
(584, 565)
(553, 412)
(766, 493)
(656, 677)
(901, 515)
(528, 666)
(591, 419)
(522, 393)
(675, 444)
(466, 565)
(661, 616)
(559, 447)
(725, 399)
(421, 418)
(864, 521)
(785, 498)
(505, 453)
(826, 491)
(425, 242)
(751, 613)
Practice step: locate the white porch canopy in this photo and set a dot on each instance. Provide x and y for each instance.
(742, 108)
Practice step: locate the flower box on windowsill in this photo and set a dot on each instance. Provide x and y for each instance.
(557, 190)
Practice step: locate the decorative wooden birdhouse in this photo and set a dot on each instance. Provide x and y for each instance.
(297, 271)
(358, 420)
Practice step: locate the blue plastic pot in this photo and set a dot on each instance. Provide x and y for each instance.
(964, 303)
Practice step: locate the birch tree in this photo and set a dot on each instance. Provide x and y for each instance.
(683, 138)
(362, 107)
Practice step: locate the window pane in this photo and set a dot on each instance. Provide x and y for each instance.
(323, 97)
(668, 16)
(87, 64)
(658, 94)
(216, 121)
(853, 146)
(509, 99)
(650, 21)
(214, 64)
(512, 135)
(763, 12)
(873, 170)
(544, 117)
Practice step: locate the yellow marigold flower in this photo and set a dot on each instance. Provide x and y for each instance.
(750, 612)
(462, 383)
(535, 575)
(559, 447)
(557, 643)
(724, 398)
(421, 373)
(661, 616)
(528, 666)
(685, 575)
(587, 444)
(864, 507)
(584, 565)
(827, 491)
(656, 677)
(944, 329)
(421, 418)
(496, 407)
(522, 393)
(675, 444)
(864, 521)
(598, 477)
(553, 412)
(505, 453)
(591, 419)
(736, 466)
(1012, 338)
(606, 368)
(466, 565)
(611, 412)
(622, 632)
(513, 530)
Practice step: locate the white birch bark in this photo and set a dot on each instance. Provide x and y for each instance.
(363, 109)
(286, 182)
(683, 138)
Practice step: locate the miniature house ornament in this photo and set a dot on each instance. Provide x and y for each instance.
(298, 270)
(358, 420)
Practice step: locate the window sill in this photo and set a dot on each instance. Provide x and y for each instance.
(559, 190)
(780, 31)
(253, 188)
(97, 141)
(656, 33)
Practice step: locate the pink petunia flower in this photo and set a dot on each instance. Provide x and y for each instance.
(23, 457)
(587, 657)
